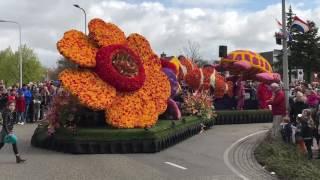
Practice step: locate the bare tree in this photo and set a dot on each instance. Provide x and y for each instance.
(192, 51)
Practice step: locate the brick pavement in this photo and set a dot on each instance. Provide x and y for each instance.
(241, 157)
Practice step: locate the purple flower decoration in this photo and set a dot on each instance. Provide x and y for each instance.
(173, 80)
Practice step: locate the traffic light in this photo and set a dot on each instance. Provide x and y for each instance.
(223, 51)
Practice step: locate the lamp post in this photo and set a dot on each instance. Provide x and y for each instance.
(20, 49)
(85, 17)
(285, 55)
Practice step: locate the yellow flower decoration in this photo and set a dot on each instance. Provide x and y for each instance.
(136, 109)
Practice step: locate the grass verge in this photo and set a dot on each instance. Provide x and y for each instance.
(286, 161)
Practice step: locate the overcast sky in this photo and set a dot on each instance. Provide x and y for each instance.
(168, 24)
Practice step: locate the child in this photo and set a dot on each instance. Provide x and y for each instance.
(286, 130)
(307, 128)
(298, 136)
(21, 108)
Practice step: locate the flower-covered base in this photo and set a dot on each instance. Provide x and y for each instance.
(111, 140)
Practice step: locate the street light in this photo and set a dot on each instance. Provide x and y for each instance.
(85, 17)
(20, 48)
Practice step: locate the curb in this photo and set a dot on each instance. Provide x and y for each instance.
(239, 157)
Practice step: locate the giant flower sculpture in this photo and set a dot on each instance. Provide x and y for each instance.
(118, 74)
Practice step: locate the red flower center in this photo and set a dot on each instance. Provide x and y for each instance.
(120, 67)
(125, 64)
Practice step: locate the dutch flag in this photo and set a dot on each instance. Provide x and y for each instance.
(300, 25)
(279, 24)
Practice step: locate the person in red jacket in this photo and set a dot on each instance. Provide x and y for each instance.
(278, 108)
(12, 96)
(21, 108)
(264, 93)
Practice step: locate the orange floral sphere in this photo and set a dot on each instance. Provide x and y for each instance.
(136, 109)
(186, 66)
(220, 87)
(207, 72)
(194, 78)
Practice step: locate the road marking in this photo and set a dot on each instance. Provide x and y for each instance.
(226, 153)
(176, 165)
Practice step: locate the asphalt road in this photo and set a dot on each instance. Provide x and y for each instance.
(200, 157)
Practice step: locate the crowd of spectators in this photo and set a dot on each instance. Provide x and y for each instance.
(301, 126)
(31, 99)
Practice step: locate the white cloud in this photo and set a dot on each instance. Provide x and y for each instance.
(194, 13)
(167, 28)
(47, 57)
(210, 2)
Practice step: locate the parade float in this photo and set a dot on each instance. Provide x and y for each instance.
(210, 79)
(115, 95)
(245, 65)
(250, 66)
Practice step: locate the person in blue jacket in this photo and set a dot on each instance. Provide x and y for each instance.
(28, 97)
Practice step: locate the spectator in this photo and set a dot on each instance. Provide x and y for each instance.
(28, 99)
(7, 129)
(317, 129)
(240, 94)
(2, 85)
(278, 108)
(264, 93)
(45, 95)
(286, 130)
(297, 106)
(3, 99)
(307, 127)
(12, 95)
(36, 105)
(21, 108)
(251, 101)
(312, 99)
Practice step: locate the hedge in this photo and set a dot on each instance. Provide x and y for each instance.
(243, 117)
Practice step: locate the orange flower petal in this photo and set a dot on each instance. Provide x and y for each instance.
(142, 48)
(105, 34)
(157, 87)
(76, 47)
(131, 110)
(89, 88)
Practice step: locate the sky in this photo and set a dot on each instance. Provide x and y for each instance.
(167, 24)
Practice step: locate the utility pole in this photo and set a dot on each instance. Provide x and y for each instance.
(285, 55)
